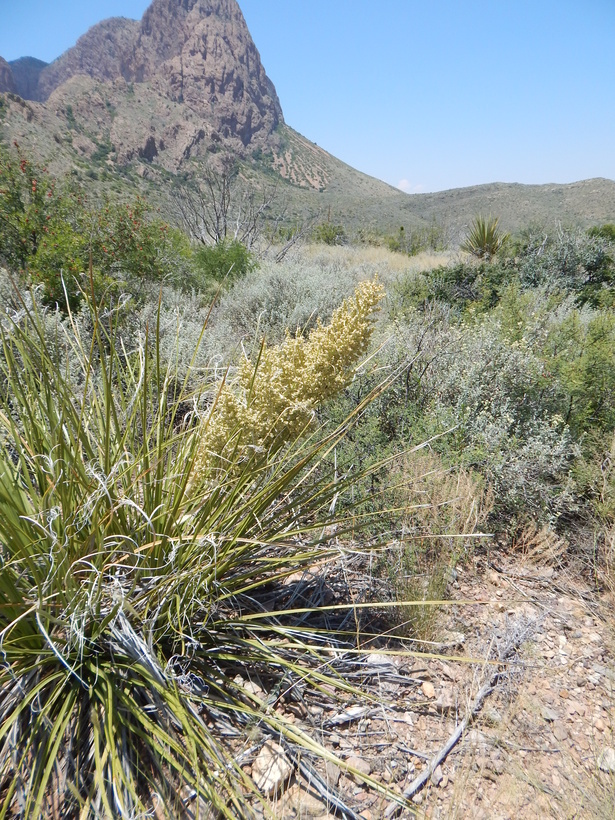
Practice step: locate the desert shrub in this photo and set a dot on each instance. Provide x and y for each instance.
(50, 233)
(127, 239)
(568, 260)
(594, 475)
(510, 426)
(414, 240)
(138, 594)
(225, 262)
(469, 288)
(579, 351)
(484, 238)
(606, 231)
(497, 400)
(330, 234)
(28, 201)
(59, 263)
(275, 297)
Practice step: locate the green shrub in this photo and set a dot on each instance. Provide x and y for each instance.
(225, 262)
(462, 285)
(50, 233)
(330, 234)
(28, 203)
(569, 261)
(606, 231)
(416, 239)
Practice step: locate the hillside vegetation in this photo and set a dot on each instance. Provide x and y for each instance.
(187, 424)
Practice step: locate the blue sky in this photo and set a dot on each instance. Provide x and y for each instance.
(425, 94)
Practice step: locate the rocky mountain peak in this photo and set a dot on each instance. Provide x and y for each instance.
(197, 54)
(99, 53)
(200, 52)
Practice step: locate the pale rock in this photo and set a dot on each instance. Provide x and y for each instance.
(606, 760)
(271, 769)
(549, 714)
(332, 773)
(559, 730)
(361, 765)
(428, 689)
(437, 776)
(381, 662)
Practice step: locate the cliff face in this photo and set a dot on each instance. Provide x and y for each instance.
(197, 54)
(98, 54)
(26, 74)
(200, 53)
(7, 81)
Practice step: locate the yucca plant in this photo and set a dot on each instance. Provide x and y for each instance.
(484, 238)
(135, 585)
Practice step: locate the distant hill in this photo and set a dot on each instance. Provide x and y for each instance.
(135, 103)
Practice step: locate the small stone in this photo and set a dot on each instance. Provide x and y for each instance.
(446, 701)
(559, 730)
(599, 725)
(308, 805)
(332, 773)
(452, 639)
(493, 717)
(417, 799)
(564, 694)
(606, 761)
(549, 714)
(271, 769)
(493, 578)
(428, 689)
(437, 776)
(496, 765)
(361, 765)
(380, 662)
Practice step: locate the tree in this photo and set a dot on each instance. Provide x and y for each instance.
(219, 207)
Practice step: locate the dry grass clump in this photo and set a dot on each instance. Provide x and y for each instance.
(387, 262)
(443, 512)
(539, 545)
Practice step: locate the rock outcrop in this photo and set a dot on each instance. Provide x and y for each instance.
(7, 81)
(99, 54)
(26, 74)
(200, 53)
(195, 53)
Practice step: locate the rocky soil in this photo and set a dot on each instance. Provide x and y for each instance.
(540, 744)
